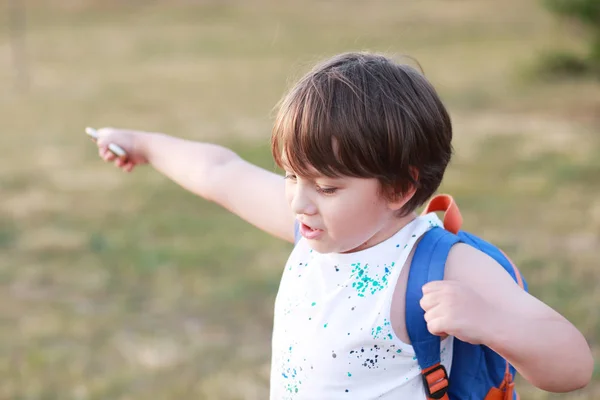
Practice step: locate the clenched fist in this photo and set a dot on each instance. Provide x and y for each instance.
(129, 140)
(452, 308)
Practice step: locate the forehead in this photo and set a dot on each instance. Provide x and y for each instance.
(307, 170)
(314, 158)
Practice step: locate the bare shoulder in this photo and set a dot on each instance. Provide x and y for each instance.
(483, 274)
(465, 262)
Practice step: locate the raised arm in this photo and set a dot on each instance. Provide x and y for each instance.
(211, 171)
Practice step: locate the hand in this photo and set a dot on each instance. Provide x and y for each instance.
(129, 140)
(452, 308)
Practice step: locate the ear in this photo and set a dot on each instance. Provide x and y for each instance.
(400, 198)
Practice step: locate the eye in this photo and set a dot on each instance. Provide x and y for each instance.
(291, 177)
(326, 190)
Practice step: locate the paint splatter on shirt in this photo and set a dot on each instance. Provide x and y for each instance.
(333, 337)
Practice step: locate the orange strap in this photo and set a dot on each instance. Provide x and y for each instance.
(435, 380)
(452, 218)
(506, 389)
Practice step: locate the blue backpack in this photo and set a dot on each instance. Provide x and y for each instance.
(477, 373)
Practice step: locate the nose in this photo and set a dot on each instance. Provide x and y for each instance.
(301, 203)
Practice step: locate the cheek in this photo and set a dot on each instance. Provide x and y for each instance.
(355, 216)
(289, 193)
(369, 217)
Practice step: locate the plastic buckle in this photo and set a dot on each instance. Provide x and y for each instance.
(439, 379)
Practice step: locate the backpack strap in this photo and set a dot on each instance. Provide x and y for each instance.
(428, 264)
(452, 218)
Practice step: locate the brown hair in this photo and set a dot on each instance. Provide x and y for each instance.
(364, 115)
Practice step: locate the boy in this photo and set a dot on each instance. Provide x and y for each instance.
(364, 142)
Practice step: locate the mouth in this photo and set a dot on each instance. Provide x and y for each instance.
(308, 232)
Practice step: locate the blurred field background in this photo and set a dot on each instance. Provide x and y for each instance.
(116, 286)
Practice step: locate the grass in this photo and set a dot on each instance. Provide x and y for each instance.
(126, 287)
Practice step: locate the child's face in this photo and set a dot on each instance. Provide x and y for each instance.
(342, 214)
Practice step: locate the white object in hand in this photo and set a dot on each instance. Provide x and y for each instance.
(115, 149)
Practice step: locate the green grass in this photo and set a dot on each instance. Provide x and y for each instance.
(117, 286)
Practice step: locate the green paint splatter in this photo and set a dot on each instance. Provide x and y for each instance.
(364, 283)
(383, 330)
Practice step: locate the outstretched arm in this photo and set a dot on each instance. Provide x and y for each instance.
(210, 171)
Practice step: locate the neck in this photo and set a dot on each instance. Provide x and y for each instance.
(386, 232)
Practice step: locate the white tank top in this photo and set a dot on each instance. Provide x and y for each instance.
(332, 337)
